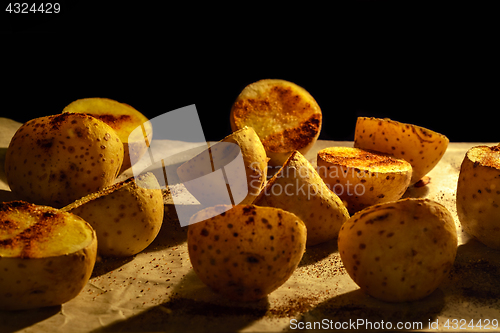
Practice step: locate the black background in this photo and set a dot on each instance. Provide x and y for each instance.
(434, 67)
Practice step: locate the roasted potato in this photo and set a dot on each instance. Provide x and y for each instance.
(298, 188)
(123, 118)
(421, 147)
(212, 190)
(478, 194)
(245, 252)
(126, 216)
(399, 251)
(284, 115)
(55, 160)
(363, 178)
(46, 256)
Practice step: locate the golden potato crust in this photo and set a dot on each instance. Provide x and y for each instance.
(362, 178)
(46, 256)
(32, 231)
(360, 158)
(284, 115)
(26, 241)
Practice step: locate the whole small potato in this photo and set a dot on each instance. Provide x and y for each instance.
(399, 251)
(126, 216)
(55, 160)
(246, 252)
(478, 194)
(46, 255)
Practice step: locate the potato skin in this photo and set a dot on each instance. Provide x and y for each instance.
(478, 194)
(399, 251)
(123, 118)
(363, 178)
(127, 216)
(55, 160)
(41, 282)
(254, 160)
(246, 252)
(421, 147)
(299, 189)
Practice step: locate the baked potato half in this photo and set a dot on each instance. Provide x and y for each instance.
(299, 189)
(285, 116)
(421, 147)
(478, 194)
(245, 252)
(57, 159)
(399, 251)
(126, 216)
(363, 178)
(239, 156)
(46, 255)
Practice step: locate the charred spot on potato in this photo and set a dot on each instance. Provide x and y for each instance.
(114, 121)
(293, 138)
(45, 144)
(249, 210)
(252, 259)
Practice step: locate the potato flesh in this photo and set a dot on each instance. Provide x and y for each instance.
(47, 260)
(362, 178)
(421, 147)
(399, 251)
(31, 231)
(246, 252)
(478, 194)
(284, 115)
(273, 106)
(364, 160)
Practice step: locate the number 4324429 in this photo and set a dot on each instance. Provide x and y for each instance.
(485, 324)
(26, 8)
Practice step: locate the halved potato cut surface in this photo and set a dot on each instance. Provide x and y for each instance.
(31, 231)
(284, 115)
